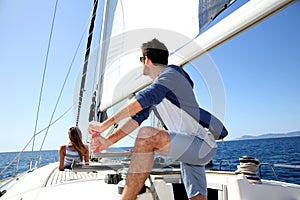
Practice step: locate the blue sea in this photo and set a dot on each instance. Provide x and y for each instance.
(273, 151)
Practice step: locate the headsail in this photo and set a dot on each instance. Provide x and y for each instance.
(86, 60)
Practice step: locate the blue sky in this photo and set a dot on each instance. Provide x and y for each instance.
(260, 70)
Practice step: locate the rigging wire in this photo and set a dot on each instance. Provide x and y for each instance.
(42, 85)
(18, 156)
(61, 91)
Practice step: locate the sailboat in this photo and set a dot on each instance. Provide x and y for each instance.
(117, 76)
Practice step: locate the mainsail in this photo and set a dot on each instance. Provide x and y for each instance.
(181, 25)
(127, 24)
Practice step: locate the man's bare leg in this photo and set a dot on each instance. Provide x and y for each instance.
(199, 197)
(149, 140)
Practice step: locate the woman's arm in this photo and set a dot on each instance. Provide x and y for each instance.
(62, 153)
(87, 156)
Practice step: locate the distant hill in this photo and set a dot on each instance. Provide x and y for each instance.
(269, 135)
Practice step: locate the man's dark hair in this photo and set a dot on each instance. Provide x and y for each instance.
(156, 51)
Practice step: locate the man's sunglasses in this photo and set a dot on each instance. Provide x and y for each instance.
(142, 59)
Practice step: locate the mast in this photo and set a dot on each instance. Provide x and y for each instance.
(86, 59)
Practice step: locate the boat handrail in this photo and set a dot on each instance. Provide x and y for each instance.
(94, 168)
(221, 163)
(276, 165)
(112, 154)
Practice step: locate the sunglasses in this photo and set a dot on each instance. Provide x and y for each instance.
(142, 59)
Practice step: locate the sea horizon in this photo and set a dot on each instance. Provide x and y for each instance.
(273, 151)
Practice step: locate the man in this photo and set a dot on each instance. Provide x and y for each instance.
(171, 98)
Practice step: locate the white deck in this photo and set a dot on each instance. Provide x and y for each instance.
(50, 183)
(233, 187)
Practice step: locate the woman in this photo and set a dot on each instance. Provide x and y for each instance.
(74, 150)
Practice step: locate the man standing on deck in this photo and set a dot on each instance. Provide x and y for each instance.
(191, 131)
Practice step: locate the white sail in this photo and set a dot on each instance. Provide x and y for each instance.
(127, 26)
(175, 22)
(240, 20)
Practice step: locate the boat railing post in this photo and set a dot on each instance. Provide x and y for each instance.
(17, 166)
(273, 170)
(221, 162)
